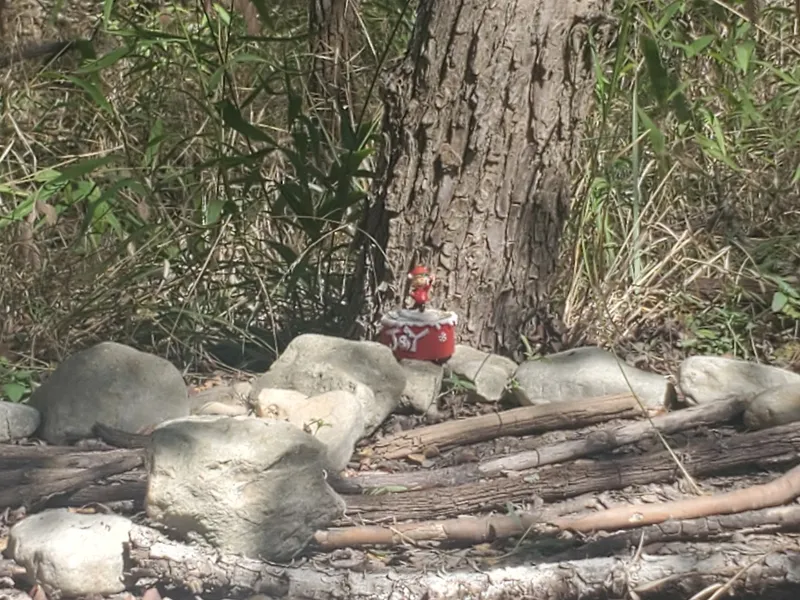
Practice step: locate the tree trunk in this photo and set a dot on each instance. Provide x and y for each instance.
(330, 23)
(482, 120)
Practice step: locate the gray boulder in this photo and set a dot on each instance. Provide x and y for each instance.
(423, 384)
(17, 421)
(112, 384)
(710, 378)
(315, 364)
(775, 406)
(586, 373)
(334, 418)
(248, 486)
(72, 554)
(490, 373)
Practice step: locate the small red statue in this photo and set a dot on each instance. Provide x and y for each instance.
(421, 283)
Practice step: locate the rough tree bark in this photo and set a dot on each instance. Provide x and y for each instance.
(330, 23)
(482, 119)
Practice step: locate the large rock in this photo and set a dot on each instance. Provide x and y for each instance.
(710, 378)
(775, 406)
(334, 418)
(315, 364)
(17, 421)
(112, 384)
(249, 486)
(423, 384)
(490, 373)
(586, 373)
(233, 397)
(70, 553)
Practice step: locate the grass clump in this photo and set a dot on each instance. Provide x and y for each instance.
(685, 227)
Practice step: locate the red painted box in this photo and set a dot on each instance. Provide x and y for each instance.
(421, 335)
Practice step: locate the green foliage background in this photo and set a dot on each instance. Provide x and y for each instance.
(178, 187)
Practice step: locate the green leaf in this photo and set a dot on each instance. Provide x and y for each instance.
(779, 301)
(657, 139)
(233, 118)
(216, 78)
(744, 52)
(78, 170)
(659, 78)
(213, 211)
(105, 61)
(706, 334)
(92, 91)
(796, 176)
(14, 391)
(786, 288)
(287, 254)
(154, 142)
(697, 46)
(108, 6)
(224, 15)
(668, 13)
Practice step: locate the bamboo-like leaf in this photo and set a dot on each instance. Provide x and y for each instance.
(657, 139)
(109, 59)
(744, 52)
(659, 78)
(234, 119)
(93, 92)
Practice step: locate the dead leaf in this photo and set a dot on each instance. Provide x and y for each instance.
(84, 510)
(143, 210)
(49, 212)
(484, 549)
(151, 594)
(416, 457)
(37, 593)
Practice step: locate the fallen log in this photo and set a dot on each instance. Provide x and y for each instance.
(38, 473)
(705, 415)
(713, 414)
(778, 445)
(120, 438)
(12, 462)
(133, 488)
(780, 491)
(714, 528)
(768, 569)
(517, 421)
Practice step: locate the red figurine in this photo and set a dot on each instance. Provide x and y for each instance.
(421, 283)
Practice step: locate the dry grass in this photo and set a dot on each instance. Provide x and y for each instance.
(685, 228)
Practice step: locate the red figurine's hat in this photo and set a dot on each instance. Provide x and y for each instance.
(418, 270)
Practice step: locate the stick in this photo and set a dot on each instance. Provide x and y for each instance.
(518, 421)
(705, 415)
(718, 527)
(470, 530)
(779, 491)
(777, 445)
